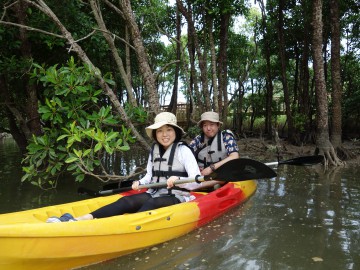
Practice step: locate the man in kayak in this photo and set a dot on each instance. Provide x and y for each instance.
(170, 160)
(213, 147)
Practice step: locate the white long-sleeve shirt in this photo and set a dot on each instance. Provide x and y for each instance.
(186, 158)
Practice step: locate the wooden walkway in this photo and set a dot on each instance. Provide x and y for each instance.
(180, 113)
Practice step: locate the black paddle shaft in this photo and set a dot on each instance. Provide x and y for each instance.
(303, 161)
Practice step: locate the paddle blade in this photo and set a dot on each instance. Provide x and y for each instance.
(241, 169)
(304, 161)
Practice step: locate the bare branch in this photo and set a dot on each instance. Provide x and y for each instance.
(117, 10)
(116, 36)
(108, 37)
(31, 29)
(90, 34)
(6, 8)
(157, 74)
(109, 177)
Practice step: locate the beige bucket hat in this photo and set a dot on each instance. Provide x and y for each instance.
(210, 116)
(164, 118)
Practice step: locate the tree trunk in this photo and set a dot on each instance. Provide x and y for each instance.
(174, 96)
(33, 118)
(201, 58)
(296, 78)
(17, 124)
(323, 143)
(127, 55)
(193, 82)
(304, 95)
(283, 60)
(222, 62)
(269, 85)
(145, 69)
(213, 64)
(336, 123)
(336, 130)
(110, 41)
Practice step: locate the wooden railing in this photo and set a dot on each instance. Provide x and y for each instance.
(181, 111)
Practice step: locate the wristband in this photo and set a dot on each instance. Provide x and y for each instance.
(212, 167)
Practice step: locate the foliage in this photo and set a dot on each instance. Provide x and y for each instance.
(247, 68)
(79, 127)
(193, 131)
(136, 114)
(300, 121)
(351, 97)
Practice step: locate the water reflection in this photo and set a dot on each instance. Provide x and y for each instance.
(124, 164)
(306, 218)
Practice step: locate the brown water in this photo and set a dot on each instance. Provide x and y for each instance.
(305, 218)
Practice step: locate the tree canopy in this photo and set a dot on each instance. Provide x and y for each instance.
(81, 79)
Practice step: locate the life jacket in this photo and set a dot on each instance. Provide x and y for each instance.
(168, 164)
(212, 151)
(165, 166)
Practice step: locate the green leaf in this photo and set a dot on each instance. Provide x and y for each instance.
(72, 167)
(71, 159)
(108, 149)
(77, 137)
(78, 153)
(111, 136)
(35, 183)
(52, 153)
(53, 170)
(98, 146)
(110, 121)
(62, 137)
(80, 178)
(86, 152)
(38, 163)
(25, 177)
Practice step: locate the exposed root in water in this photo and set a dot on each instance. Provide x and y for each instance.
(330, 156)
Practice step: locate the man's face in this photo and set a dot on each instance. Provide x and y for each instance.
(210, 129)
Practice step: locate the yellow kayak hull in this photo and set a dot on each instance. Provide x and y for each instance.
(28, 242)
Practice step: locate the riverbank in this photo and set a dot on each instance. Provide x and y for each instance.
(267, 151)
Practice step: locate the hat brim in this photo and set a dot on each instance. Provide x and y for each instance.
(157, 125)
(210, 120)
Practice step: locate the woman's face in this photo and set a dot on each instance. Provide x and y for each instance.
(210, 129)
(165, 135)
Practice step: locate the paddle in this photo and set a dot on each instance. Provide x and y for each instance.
(299, 161)
(117, 184)
(233, 171)
(251, 172)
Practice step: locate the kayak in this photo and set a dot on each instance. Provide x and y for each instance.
(28, 242)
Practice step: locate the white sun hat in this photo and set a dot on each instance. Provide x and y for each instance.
(162, 119)
(210, 116)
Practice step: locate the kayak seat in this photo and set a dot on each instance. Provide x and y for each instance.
(76, 209)
(226, 197)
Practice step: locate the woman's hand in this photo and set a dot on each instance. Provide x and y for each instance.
(171, 181)
(135, 185)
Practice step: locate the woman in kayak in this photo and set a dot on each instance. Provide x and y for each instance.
(213, 147)
(169, 160)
